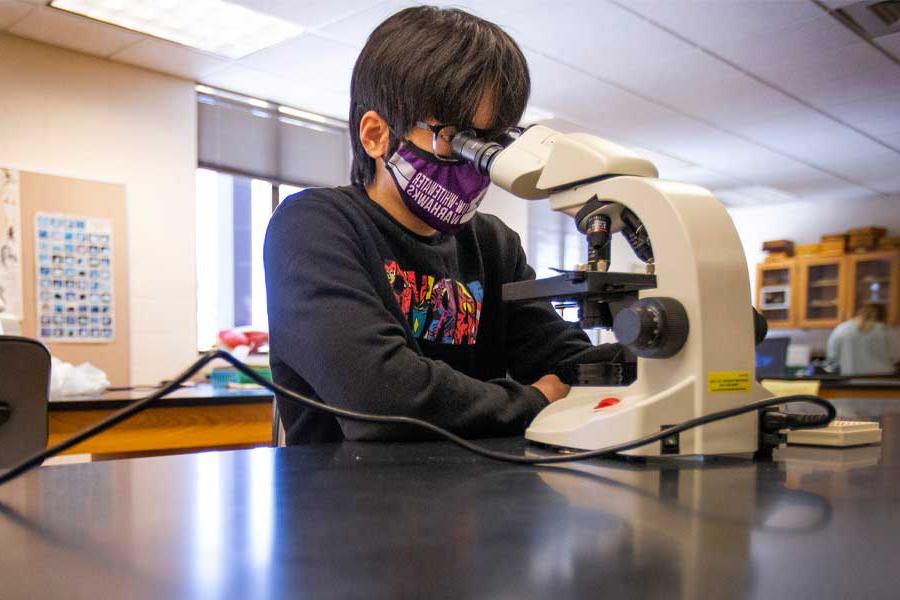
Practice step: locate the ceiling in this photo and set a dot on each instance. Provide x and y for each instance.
(760, 100)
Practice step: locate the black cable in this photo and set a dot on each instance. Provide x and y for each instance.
(139, 405)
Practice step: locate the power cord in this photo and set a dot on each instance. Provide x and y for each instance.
(139, 405)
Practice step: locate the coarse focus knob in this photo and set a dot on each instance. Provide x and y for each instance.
(652, 327)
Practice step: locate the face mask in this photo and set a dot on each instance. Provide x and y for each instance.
(445, 195)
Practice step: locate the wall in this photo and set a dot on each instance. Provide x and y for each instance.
(804, 223)
(511, 210)
(69, 114)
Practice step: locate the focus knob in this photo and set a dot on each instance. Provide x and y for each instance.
(652, 327)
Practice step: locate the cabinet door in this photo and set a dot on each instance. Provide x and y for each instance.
(820, 293)
(775, 294)
(873, 278)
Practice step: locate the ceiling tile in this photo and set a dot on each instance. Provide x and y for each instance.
(891, 43)
(819, 141)
(837, 76)
(699, 176)
(59, 28)
(355, 29)
(878, 169)
(710, 23)
(825, 92)
(597, 37)
(877, 115)
(11, 11)
(582, 99)
(808, 38)
(267, 86)
(314, 99)
(499, 11)
(308, 13)
(308, 58)
(700, 85)
(892, 139)
(236, 78)
(170, 58)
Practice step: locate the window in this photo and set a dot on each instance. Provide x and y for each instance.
(232, 215)
(285, 190)
(248, 150)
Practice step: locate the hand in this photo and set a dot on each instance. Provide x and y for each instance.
(552, 387)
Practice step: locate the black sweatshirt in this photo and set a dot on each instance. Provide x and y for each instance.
(366, 315)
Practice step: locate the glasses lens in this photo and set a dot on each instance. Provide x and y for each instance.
(442, 140)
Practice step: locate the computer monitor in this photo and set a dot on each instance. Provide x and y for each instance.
(771, 357)
(24, 391)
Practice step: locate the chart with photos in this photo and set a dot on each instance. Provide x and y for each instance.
(74, 278)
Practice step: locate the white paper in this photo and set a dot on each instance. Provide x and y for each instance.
(74, 278)
(10, 246)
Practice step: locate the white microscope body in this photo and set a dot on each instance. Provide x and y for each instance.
(699, 262)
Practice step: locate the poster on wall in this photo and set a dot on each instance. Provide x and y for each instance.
(10, 246)
(74, 278)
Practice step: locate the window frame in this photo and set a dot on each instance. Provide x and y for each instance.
(274, 185)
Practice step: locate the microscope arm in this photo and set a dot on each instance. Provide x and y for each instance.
(542, 161)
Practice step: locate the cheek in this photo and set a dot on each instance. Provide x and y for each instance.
(422, 139)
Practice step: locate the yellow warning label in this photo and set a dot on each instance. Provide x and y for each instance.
(728, 381)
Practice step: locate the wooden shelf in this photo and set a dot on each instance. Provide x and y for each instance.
(849, 276)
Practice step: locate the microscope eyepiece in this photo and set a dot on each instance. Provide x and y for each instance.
(481, 153)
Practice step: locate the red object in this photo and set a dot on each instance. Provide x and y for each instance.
(232, 338)
(607, 402)
(256, 339)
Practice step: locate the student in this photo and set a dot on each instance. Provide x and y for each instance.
(379, 300)
(861, 346)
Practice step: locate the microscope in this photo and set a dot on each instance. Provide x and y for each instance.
(685, 323)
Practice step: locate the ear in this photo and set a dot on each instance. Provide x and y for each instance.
(374, 134)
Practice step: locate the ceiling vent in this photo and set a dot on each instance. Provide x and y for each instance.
(872, 18)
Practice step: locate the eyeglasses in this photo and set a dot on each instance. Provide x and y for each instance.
(442, 137)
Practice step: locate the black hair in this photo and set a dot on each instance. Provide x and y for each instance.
(425, 62)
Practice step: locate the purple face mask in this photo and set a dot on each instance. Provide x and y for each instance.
(443, 194)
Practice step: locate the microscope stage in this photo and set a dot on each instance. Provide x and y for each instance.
(574, 285)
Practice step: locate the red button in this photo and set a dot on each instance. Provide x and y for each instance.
(607, 402)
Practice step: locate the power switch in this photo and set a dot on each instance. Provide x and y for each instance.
(606, 403)
(669, 444)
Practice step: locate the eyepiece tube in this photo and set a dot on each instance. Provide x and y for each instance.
(466, 146)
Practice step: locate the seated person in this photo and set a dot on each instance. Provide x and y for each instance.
(385, 296)
(862, 345)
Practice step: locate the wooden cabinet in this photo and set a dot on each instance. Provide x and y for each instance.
(775, 292)
(821, 292)
(873, 277)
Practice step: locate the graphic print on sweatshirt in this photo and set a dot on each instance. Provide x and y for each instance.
(437, 309)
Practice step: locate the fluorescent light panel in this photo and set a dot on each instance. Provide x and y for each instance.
(211, 25)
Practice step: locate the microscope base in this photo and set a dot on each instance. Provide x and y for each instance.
(594, 417)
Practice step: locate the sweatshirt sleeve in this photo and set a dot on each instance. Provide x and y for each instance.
(328, 323)
(539, 339)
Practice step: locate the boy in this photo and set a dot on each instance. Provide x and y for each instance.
(385, 296)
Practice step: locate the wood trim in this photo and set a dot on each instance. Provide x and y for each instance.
(790, 265)
(174, 428)
(861, 393)
(853, 260)
(802, 290)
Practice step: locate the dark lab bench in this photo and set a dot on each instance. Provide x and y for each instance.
(429, 520)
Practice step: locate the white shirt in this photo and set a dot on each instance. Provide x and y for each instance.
(859, 352)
